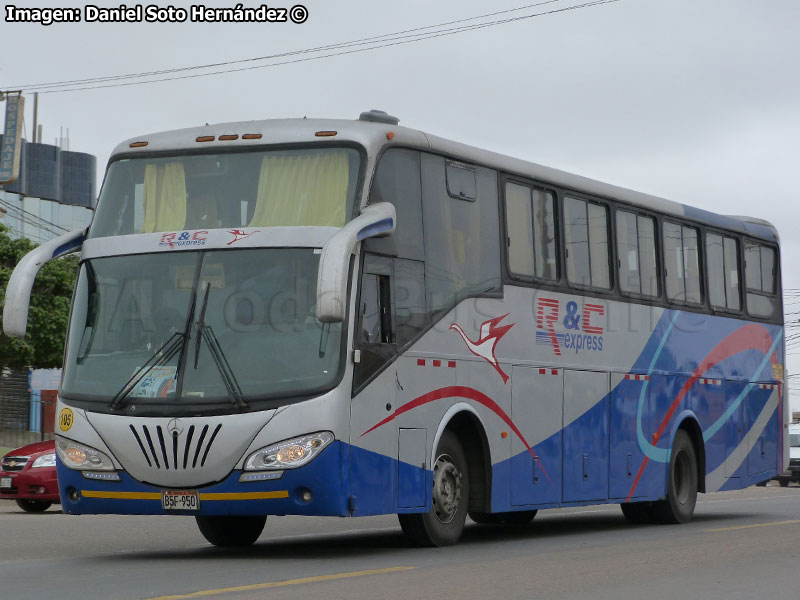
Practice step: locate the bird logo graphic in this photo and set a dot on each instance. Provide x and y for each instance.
(490, 334)
(238, 234)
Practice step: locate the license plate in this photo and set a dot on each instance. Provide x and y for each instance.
(179, 500)
(5, 482)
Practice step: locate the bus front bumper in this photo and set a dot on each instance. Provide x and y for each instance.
(315, 489)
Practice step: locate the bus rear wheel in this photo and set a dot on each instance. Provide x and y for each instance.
(678, 506)
(231, 531)
(444, 523)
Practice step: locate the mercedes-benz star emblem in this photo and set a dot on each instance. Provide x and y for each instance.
(175, 427)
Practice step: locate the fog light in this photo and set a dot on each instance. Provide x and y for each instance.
(306, 496)
(73, 494)
(41, 490)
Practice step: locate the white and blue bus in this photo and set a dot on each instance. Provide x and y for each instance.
(347, 318)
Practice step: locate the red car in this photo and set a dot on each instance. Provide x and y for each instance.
(28, 475)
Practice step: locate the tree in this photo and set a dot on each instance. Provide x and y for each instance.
(43, 344)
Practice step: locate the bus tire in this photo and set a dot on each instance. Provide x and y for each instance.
(33, 506)
(444, 523)
(678, 506)
(638, 513)
(519, 517)
(231, 531)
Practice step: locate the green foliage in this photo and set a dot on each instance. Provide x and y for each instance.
(43, 345)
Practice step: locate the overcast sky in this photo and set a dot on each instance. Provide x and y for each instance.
(696, 101)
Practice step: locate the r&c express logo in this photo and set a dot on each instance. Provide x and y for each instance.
(183, 238)
(580, 334)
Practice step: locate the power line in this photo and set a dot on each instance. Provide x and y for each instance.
(374, 43)
(33, 86)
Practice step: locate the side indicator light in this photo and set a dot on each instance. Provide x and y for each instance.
(390, 135)
(205, 138)
(138, 144)
(504, 434)
(325, 133)
(228, 138)
(251, 136)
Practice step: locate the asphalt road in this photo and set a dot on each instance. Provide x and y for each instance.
(741, 545)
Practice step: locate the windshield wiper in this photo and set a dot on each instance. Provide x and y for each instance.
(206, 333)
(163, 355)
(167, 350)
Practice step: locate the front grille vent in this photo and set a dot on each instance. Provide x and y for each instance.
(175, 451)
(14, 463)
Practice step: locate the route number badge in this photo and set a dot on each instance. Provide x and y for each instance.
(65, 419)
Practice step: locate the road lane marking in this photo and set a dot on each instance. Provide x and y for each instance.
(274, 584)
(735, 527)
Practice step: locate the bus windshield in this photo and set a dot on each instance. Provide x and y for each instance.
(250, 308)
(265, 188)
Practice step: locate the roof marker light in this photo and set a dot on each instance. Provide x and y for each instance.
(138, 144)
(227, 138)
(325, 133)
(205, 138)
(251, 136)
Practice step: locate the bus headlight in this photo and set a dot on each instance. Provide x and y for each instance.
(289, 454)
(79, 457)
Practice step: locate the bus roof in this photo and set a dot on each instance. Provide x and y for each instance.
(372, 135)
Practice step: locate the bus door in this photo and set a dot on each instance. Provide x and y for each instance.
(537, 409)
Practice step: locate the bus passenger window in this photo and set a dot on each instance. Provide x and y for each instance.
(636, 249)
(760, 279)
(722, 256)
(681, 263)
(530, 228)
(462, 239)
(586, 240)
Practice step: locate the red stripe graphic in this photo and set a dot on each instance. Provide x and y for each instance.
(749, 337)
(460, 391)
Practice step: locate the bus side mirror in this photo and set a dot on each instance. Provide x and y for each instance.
(18, 292)
(334, 264)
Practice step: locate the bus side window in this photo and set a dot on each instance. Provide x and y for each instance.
(636, 252)
(462, 235)
(375, 305)
(681, 263)
(760, 279)
(722, 257)
(586, 241)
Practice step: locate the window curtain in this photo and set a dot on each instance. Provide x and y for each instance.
(164, 197)
(307, 189)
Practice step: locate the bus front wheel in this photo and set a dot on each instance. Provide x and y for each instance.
(678, 506)
(443, 524)
(231, 531)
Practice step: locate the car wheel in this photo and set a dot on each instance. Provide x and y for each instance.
(34, 506)
(231, 531)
